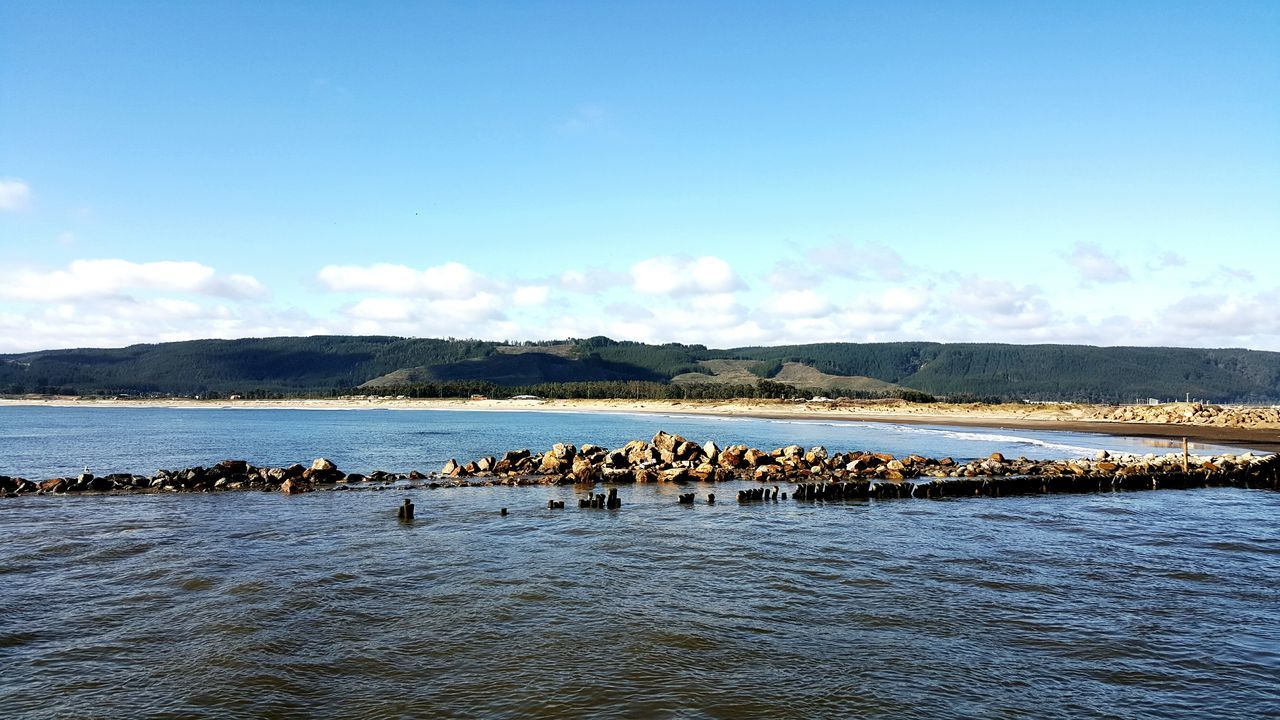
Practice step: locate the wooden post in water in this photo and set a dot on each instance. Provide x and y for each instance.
(1184, 455)
(406, 510)
(504, 512)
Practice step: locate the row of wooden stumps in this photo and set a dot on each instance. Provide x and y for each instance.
(762, 494)
(600, 501)
(687, 498)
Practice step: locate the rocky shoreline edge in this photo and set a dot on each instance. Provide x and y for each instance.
(667, 458)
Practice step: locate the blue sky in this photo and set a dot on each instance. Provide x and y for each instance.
(723, 173)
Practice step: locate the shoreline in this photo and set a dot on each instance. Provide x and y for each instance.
(1060, 418)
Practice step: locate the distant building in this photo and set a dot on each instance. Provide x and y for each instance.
(1153, 401)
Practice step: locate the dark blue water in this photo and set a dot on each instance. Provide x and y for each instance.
(1160, 604)
(41, 442)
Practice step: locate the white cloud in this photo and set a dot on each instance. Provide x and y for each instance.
(1001, 304)
(117, 321)
(1166, 259)
(14, 195)
(682, 276)
(478, 316)
(1222, 316)
(592, 280)
(796, 304)
(865, 261)
(450, 280)
(902, 301)
(663, 299)
(792, 276)
(530, 295)
(430, 313)
(1095, 265)
(99, 278)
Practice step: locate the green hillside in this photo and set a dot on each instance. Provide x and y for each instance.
(327, 364)
(283, 364)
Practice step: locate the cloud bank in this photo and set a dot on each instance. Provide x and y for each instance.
(665, 298)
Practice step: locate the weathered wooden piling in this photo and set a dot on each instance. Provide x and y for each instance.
(405, 511)
(685, 498)
(711, 498)
(503, 512)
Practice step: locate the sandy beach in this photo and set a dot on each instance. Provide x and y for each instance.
(1175, 420)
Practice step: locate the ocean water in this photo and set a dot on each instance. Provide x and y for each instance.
(1160, 604)
(40, 442)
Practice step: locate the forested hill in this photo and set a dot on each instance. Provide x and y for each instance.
(332, 364)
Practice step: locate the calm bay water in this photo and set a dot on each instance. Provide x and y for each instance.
(41, 442)
(1154, 604)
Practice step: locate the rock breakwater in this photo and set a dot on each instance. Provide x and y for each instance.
(1188, 413)
(817, 473)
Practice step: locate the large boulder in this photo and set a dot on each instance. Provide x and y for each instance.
(706, 472)
(552, 465)
(666, 442)
(674, 475)
(687, 451)
(583, 471)
(616, 459)
(816, 455)
(732, 456)
(322, 465)
(233, 467)
(618, 475)
(640, 453)
(515, 456)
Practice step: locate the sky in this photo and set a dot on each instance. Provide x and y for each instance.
(719, 173)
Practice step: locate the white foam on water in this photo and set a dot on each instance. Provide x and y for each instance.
(977, 436)
(990, 437)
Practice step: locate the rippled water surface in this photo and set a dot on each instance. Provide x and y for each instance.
(43, 442)
(1152, 604)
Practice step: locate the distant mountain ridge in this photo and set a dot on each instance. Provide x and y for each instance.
(336, 363)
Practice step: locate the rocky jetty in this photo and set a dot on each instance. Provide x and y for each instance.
(1192, 413)
(666, 458)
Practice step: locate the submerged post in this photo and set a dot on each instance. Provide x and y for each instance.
(406, 510)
